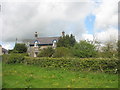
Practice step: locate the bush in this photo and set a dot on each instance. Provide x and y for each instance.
(106, 65)
(62, 52)
(20, 48)
(47, 52)
(84, 49)
(107, 54)
(13, 58)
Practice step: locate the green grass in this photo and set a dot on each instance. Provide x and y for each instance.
(23, 76)
(0, 72)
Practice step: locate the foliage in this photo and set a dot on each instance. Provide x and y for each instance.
(66, 41)
(113, 54)
(20, 48)
(62, 52)
(10, 51)
(14, 58)
(30, 76)
(109, 50)
(107, 65)
(13, 51)
(118, 44)
(84, 49)
(47, 52)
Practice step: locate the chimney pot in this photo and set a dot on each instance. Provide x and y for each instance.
(63, 33)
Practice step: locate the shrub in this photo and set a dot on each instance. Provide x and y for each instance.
(13, 58)
(20, 48)
(47, 52)
(107, 54)
(106, 65)
(84, 49)
(62, 52)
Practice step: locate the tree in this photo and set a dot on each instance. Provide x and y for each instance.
(118, 46)
(20, 48)
(47, 52)
(84, 49)
(110, 49)
(62, 52)
(66, 41)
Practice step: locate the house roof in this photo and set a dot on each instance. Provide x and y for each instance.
(42, 40)
(4, 50)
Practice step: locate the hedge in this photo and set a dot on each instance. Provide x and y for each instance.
(13, 58)
(107, 65)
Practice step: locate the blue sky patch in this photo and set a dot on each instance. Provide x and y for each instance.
(89, 23)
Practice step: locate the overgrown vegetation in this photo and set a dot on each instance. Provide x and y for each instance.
(14, 58)
(47, 52)
(109, 50)
(62, 52)
(84, 49)
(106, 65)
(19, 48)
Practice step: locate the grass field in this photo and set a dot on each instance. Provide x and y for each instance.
(0, 72)
(23, 76)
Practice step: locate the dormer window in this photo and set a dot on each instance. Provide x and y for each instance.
(54, 43)
(36, 43)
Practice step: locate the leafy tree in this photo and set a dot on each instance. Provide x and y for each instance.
(47, 52)
(84, 49)
(20, 48)
(110, 50)
(118, 48)
(10, 51)
(66, 41)
(62, 52)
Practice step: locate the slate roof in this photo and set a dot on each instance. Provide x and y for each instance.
(4, 50)
(42, 40)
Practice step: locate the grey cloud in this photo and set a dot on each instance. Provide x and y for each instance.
(21, 20)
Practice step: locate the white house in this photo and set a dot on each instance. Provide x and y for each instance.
(34, 45)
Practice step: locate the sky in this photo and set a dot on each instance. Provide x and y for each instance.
(82, 18)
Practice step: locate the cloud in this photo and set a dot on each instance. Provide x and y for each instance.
(22, 19)
(8, 45)
(111, 34)
(106, 14)
(87, 37)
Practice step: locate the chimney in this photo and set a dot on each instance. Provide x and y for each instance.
(63, 33)
(16, 40)
(36, 35)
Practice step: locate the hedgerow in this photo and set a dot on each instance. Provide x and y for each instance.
(107, 65)
(14, 58)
